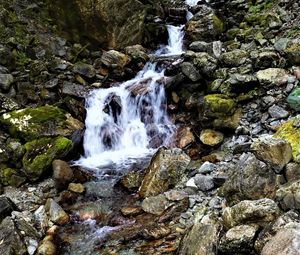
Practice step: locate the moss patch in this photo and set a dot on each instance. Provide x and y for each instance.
(218, 105)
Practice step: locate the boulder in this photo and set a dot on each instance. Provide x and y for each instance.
(6, 207)
(234, 58)
(40, 154)
(273, 151)
(218, 105)
(249, 179)
(156, 204)
(62, 173)
(277, 112)
(165, 170)
(211, 137)
(56, 214)
(30, 124)
(6, 81)
(113, 58)
(260, 212)
(84, 69)
(272, 76)
(189, 70)
(288, 195)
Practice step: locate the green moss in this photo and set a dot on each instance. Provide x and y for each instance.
(40, 154)
(294, 47)
(12, 177)
(290, 132)
(217, 105)
(218, 24)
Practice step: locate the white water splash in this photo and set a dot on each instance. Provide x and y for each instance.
(191, 2)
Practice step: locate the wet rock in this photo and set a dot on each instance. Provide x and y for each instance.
(156, 204)
(47, 120)
(84, 69)
(73, 89)
(6, 81)
(137, 53)
(56, 214)
(190, 71)
(114, 58)
(218, 105)
(249, 179)
(286, 241)
(290, 132)
(103, 188)
(273, 151)
(239, 240)
(165, 170)
(40, 154)
(277, 112)
(272, 76)
(234, 58)
(259, 212)
(132, 180)
(211, 137)
(76, 187)
(6, 207)
(62, 173)
(201, 239)
(204, 183)
(11, 242)
(288, 195)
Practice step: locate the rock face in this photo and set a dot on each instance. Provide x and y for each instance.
(112, 23)
(165, 170)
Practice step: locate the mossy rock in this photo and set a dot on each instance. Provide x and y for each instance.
(29, 124)
(11, 177)
(218, 105)
(290, 131)
(293, 53)
(40, 154)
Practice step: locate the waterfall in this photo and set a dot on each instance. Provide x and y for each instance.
(129, 121)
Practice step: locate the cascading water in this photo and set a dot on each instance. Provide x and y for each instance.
(127, 121)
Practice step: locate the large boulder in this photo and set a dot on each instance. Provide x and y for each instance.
(110, 23)
(30, 124)
(165, 170)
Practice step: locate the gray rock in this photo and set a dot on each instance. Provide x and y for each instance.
(190, 71)
(278, 112)
(288, 195)
(62, 173)
(156, 205)
(260, 212)
(272, 76)
(114, 58)
(84, 69)
(72, 89)
(207, 168)
(234, 58)
(204, 182)
(8, 104)
(5, 81)
(292, 172)
(273, 151)
(6, 207)
(56, 214)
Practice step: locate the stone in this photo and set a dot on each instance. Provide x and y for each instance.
(12, 177)
(273, 151)
(278, 112)
(175, 195)
(286, 241)
(201, 239)
(132, 180)
(76, 187)
(288, 195)
(6, 81)
(204, 182)
(293, 53)
(6, 207)
(218, 105)
(62, 173)
(41, 219)
(211, 137)
(8, 104)
(56, 214)
(157, 232)
(290, 132)
(272, 76)
(185, 137)
(47, 247)
(207, 168)
(156, 205)
(234, 58)
(166, 169)
(97, 21)
(131, 211)
(260, 212)
(239, 240)
(11, 242)
(30, 124)
(73, 89)
(294, 99)
(40, 154)
(137, 53)
(250, 178)
(190, 71)
(114, 58)
(292, 172)
(84, 69)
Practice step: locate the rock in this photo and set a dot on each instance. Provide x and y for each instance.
(290, 132)
(294, 99)
(114, 58)
(190, 71)
(47, 247)
(157, 232)
(132, 180)
(76, 187)
(272, 76)
(30, 124)
(103, 188)
(260, 212)
(273, 151)
(165, 170)
(218, 105)
(288, 195)
(239, 240)
(73, 89)
(11, 242)
(203, 182)
(41, 219)
(8, 104)
(56, 214)
(137, 53)
(12, 177)
(62, 173)
(97, 21)
(293, 53)
(156, 204)
(131, 211)
(292, 172)
(278, 112)
(229, 122)
(84, 69)
(175, 195)
(207, 168)
(211, 137)
(6, 207)
(40, 154)
(185, 137)
(286, 241)
(249, 179)
(234, 58)
(5, 81)
(201, 239)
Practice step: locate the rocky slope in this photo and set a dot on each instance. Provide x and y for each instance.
(231, 187)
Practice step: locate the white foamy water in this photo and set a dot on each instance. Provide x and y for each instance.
(191, 2)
